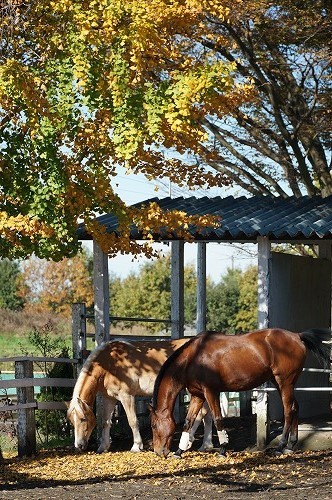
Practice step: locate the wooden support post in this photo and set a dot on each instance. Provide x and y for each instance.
(101, 294)
(102, 314)
(264, 255)
(177, 289)
(79, 333)
(177, 307)
(26, 426)
(262, 423)
(201, 287)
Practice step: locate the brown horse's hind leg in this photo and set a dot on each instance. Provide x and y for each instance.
(290, 428)
(214, 404)
(187, 436)
(293, 436)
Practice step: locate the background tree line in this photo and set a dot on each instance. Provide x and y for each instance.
(37, 285)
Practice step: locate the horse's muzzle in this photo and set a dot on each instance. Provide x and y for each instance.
(163, 452)
(81, 446)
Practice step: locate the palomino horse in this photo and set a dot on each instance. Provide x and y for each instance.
(121, 370)
(212, 362)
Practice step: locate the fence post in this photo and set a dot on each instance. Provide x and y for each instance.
(26, 426)
(201, 287)
(79, 333)
(262, 423)
(177, 309)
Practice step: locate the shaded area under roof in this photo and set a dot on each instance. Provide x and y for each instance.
(244, 219)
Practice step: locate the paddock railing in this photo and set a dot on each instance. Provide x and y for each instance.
(261, 405)
(26, 405)
(24, 383)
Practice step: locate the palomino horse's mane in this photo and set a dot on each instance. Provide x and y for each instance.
(172, 358)
(86, 368)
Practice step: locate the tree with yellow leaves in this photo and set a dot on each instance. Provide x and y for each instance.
(55, 286)
(86, 86)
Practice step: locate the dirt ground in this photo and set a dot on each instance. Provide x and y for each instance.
(119, 474)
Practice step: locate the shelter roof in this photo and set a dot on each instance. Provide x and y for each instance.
(244, 219)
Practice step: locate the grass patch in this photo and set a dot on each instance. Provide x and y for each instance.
(15, 327)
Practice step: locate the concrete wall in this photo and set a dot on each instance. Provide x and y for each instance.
(300, 299)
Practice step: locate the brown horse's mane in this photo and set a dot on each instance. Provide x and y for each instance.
(201, 336)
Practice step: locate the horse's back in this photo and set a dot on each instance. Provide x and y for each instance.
(132, 366)
(242, 362)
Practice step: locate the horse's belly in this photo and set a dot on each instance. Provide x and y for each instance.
(224, 379)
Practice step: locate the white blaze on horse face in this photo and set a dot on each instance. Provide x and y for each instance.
(83, 426)
(75, 428)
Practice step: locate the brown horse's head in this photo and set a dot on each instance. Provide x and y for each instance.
(83, 419)
(163, 428)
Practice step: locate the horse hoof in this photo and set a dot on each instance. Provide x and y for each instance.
(205, 449)
(222, 452)
(178, 453)
(178, 457)
(102, 450)
(287, 451)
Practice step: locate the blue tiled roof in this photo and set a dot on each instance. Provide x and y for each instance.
(244, 219)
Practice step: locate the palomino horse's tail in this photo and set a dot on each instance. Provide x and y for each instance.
(318, 341)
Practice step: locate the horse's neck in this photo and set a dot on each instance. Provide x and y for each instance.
(86, 388)
(168, 391)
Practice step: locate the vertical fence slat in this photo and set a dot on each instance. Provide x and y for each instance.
(26, 426)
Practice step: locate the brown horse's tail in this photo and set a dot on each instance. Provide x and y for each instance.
(318, 341)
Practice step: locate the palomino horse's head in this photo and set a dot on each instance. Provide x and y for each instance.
(163, 428)
(83, 419)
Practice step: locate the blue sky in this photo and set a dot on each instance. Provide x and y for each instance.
(135, 188)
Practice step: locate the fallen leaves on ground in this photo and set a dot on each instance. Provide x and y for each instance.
(66, 467)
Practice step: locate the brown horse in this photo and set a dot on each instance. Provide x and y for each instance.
(212, 362)
(119, 371)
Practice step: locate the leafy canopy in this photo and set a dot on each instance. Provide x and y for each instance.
(86, 86)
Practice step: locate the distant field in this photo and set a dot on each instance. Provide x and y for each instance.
(15, 328)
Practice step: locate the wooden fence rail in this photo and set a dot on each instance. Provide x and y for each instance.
(24, 383)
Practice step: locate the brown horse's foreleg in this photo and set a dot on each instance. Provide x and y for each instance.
(207, 444)
(214, 404)
(190, 425)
